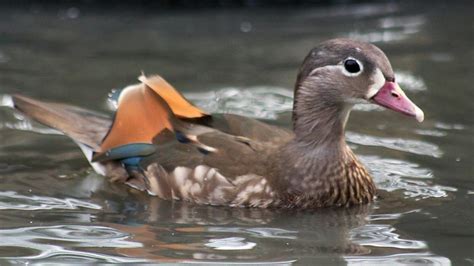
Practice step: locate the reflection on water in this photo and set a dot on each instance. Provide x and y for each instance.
(10, 200)
(230, 243)
(399, 259)
(382, 235)
(63, 243)
(260, 232)
(346, 232)
(54, 210)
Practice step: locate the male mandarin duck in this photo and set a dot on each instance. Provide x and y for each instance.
(161, 143)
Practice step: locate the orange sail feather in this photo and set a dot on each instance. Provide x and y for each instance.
(175, 100)
(140, 116)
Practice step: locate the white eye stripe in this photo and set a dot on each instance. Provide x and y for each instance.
(328, 67)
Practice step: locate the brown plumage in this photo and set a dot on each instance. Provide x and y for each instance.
(160, 143)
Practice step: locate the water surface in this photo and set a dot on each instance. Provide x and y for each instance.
(53, 208)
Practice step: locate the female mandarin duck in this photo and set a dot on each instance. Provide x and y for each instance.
(160, 143)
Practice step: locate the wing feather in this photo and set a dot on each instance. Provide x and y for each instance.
(140, 116)
(146, 110)
(176, 101)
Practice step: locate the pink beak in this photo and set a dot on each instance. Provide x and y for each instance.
(392, 97)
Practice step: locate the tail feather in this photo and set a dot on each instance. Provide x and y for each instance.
(82, 125)
(85, 127)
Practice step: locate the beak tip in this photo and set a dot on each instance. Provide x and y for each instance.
(419, 115)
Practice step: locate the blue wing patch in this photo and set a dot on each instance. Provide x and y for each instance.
(126, 152)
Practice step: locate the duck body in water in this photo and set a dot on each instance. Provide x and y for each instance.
(160, 143)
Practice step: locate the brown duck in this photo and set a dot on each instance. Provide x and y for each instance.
(160, 143)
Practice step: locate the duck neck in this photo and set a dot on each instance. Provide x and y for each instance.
(317, 167)
(319, 127)
(320, 123)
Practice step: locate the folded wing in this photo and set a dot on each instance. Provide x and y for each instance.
(144, 111)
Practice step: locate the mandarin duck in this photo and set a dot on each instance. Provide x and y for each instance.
(160, 143)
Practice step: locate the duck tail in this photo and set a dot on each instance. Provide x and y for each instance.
(86, 128)
(83, 126)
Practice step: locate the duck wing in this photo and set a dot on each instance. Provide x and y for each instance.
(249, 128)
(234, 173)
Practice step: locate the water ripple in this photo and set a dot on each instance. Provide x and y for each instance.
(385, 236)
(260, 232)
(11, 200)
(391, 29)
(382, 235)
(59, 243)
(395, 167)
(447, 126)
(403, 21)
(410, 82)
(392, 174)
(418, 189)
(399, 144)
(260, 102)
(430, 132)
(424, 258)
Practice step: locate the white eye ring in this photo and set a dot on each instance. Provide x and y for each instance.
(349, 74)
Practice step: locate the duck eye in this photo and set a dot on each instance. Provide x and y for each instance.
(351, 66)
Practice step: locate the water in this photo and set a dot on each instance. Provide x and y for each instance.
(54, 209)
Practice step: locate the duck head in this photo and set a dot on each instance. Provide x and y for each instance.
(340, 73)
